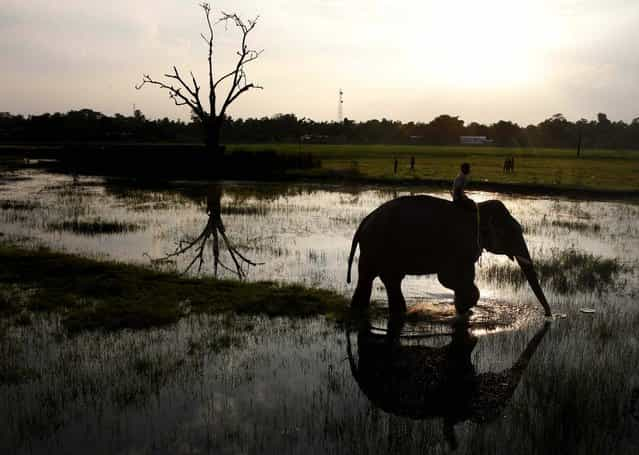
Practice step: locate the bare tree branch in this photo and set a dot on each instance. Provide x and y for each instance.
(188, 93)
(207, 12)
(174, 93)
(245, 55)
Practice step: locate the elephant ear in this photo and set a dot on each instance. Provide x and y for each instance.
(494, 237)
(489, 234)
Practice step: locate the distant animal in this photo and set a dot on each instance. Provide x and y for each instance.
(509, 164)
(421, 235)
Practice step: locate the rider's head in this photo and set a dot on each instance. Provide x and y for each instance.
(465, 168)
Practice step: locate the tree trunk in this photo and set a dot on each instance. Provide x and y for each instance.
(214, 151)
(212, 138)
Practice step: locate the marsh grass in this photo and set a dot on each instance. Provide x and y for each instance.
(92, 295)
(17, 375)
(544, 225)
(18, 205)
(94, 227)
(566, 272)
(251, 210)
(578, 226)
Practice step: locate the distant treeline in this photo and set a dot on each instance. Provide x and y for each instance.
(87, 125)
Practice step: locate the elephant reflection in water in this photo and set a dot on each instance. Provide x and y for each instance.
(422, 382)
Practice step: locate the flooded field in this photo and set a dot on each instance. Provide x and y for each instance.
(510, 383)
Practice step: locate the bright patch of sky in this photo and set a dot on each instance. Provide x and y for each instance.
(520, 60)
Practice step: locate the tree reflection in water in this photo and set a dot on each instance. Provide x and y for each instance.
(214, 229)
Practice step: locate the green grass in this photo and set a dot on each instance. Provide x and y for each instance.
(566, 272)
(596, 170)
(94, 227)
(95, 295)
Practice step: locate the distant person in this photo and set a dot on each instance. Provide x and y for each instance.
(412, 163)
(395, 167)
(459, 185)
(512, 164)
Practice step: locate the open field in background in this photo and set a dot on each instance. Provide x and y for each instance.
(610, 170)
(537, 170)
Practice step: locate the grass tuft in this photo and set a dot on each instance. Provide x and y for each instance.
(18, 205)
(566, 272)
(577, 226)
(94, 227)
(93, 295)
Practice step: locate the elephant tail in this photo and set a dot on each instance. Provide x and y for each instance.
(350, 257)
(353, 248)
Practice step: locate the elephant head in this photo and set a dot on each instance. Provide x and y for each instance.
(423, 382)
(502, 234)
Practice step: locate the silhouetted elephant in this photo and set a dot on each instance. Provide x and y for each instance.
(422, 382)
(420, 235)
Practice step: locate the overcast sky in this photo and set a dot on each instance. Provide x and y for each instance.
(483, 60)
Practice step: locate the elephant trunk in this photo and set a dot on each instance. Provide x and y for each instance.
(529, 271)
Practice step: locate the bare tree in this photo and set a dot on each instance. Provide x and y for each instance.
(187, 93)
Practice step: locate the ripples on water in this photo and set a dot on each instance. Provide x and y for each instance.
(252, 385)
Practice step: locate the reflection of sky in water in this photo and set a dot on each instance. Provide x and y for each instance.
(301, 232)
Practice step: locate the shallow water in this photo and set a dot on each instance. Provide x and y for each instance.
(302, 233)
(257, 385)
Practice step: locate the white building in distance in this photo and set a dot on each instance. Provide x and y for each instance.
(474, 140)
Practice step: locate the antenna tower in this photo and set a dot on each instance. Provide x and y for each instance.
(340, 107)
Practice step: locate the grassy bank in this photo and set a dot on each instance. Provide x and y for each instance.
(536, 170)
(607, 173)
(90, 294)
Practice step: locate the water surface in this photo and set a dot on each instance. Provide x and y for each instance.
(230, 384)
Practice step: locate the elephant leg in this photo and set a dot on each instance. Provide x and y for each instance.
(396, 302)
(466, 298)
(447, 278)
(362, 296)
(461, 280)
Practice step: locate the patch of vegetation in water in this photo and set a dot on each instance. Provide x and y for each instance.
(18, 205)
(94, 227)
(566, 272)
(254, 210)
(17, 375)
(577, 226)
(94, 295)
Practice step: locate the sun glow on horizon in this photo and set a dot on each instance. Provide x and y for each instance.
(488, 44)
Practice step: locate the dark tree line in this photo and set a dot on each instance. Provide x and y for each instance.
(89, 126)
